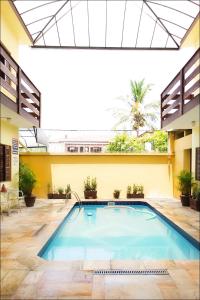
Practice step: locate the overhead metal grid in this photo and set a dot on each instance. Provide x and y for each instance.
(108, 24)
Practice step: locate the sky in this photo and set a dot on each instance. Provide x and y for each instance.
(79, 87)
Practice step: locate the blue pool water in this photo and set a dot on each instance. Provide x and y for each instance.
(133, 232)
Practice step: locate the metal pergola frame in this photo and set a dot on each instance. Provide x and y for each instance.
(53, 21)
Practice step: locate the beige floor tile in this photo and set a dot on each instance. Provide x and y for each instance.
(127, 264)
(96, 264)
(55, 276)
(182, 278)
(26, 292)
(98, 289)
(170, 293)
(188, 293)
(32, 278)
(131, 287)
(59, 289)
(12, 280)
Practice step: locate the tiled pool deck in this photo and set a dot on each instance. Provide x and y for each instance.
(26, 276)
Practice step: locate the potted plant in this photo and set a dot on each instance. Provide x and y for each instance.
(90, 188)
(128, 192)
(140, 191)
(68, 191)
(135, 190)
(185, 184)
(27, 181)
(60, 194)
(116, 194)
(49, 191)
(195, 198)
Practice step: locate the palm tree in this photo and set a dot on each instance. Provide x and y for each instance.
(138, 114)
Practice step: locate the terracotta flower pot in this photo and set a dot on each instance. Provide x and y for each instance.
(29, 200)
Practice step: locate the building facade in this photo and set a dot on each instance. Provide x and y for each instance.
(20, 98)
(180, 110)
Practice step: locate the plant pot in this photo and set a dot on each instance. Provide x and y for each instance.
(90, 194)
(50, 196)
(68, 196)
(59, 196)
(116, 195)
(195, 204)
(129, 195)
(185, 200)
(138, 195)
(29, 200)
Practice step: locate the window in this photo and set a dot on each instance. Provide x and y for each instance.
(197, 164)
(72, 149)
(95, 149)
(5, 162)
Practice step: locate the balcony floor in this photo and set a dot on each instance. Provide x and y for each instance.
(26, 276)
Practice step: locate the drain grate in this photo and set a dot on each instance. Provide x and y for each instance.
(132, 272)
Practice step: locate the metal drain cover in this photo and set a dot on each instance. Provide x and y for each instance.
(132, 272)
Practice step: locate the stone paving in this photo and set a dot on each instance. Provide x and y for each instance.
(24, 275)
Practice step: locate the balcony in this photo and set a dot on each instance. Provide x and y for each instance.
(180, 99)
(18, 93)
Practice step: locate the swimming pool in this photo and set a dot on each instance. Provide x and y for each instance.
(104, 232)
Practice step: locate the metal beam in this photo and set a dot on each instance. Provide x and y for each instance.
(72, 23)
(39, 35)
(177, 10)
(28, 10)
(106, 23)
(103, 48)
(139, 23)
(123, 22)
(88, 18)
(164, 27)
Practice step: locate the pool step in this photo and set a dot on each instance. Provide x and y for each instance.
(132, 272)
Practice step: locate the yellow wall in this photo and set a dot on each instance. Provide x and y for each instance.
(182, 159)
(195, 144)
(12, 36)
(12, 32)
(181, 147)
(192, 37)
(7, 133)
(112, 172)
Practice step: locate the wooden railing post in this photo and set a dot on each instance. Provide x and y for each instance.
(19, 90)
(182, 90)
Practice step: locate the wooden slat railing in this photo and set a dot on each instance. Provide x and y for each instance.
(183, 92)
(20, 94)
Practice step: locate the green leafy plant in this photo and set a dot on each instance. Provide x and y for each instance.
(90, 184)
(93, 184)
(137, 113)
(60, 190)
(128, 144)
(116, 194)
(140, 189)
(68, 189)
(185, 182)
(129, 189)
(135, 189)
(27, 179)
(196, 191)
